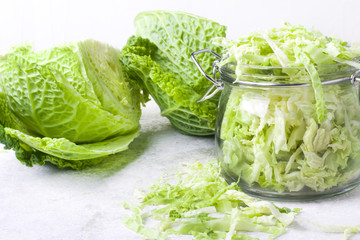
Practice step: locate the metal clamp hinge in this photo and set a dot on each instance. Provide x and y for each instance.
(354, 76)
(217, 83)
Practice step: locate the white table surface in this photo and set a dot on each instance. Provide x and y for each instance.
(43, 202)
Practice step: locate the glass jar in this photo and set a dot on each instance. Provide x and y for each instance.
(268, 136)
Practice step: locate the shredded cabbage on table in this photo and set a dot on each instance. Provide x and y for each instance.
(202, 204)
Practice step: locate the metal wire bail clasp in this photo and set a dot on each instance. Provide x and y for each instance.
(219, 85)
(354, 77)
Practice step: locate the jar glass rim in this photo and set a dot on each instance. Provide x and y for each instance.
(270, 74)
(357, 59)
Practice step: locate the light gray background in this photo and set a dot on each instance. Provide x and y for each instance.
(48, 203)
(50, 22)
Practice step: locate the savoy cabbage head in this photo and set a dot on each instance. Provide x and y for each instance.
(70, 105)
(158, 57)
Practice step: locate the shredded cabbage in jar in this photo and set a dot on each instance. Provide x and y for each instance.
(291, 139)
